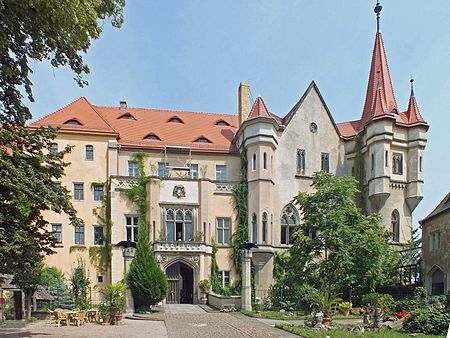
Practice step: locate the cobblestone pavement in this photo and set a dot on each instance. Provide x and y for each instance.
(219, 325)
(41, 329)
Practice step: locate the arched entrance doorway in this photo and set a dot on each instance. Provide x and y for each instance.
(181, 284)
(437, 282)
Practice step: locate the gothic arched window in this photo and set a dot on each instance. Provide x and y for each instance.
(264, 227)
(289, 220)
(395, 225)
(254, 228)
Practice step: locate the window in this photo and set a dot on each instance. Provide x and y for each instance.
(89, 152)
(223, 230)
(435, 241)
(226, 278)
(397, 164)
(301, 161)
(57, 186)
(202, 140)
(265, 161)
(127, 116)
(193, 171)
(175, 119)
(163, 169)
(353, 171)
(373, 162)
(313, 128)
(221, 172)
(420, 163)
(179, 224)
(264, 227)
(98, 235)
(53, 148)
(73, 122)
(152, 137)
(133, 168)
(131, 227)
(395, 226)
(386, 159)
(98, 192)
(79, 234)
(222, 123)
(325, 162)
(78, 191)
(289, 220)
(99, 279)
(254, 162)
(254, 228)
(57, 233)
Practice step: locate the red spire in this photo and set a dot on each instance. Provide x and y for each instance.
(380, 99)
(413, 113)
(259, 109)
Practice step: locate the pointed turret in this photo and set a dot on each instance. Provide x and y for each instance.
(259, 109)
(413, 113)
(380, 99)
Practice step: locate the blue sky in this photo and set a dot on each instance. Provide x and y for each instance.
(191, 55)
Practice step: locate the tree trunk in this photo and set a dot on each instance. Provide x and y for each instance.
(28, 303)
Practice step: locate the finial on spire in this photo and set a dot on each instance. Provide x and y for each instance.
(412, 85)
(377, 11)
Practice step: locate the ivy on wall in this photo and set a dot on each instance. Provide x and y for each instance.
(240, 201)
(359, 172)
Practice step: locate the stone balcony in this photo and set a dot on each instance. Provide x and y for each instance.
(182, 247)
(224, 188)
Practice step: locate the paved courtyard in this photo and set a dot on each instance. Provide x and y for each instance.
(181, 321)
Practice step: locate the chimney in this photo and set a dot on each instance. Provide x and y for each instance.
(243, 101)
(123, 105)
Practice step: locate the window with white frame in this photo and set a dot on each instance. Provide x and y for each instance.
(179, 224)
(89, 152)
(78, 191)
(223, 230)
(163, 169)
(133, 168)
(226, 278)
(57, 232)
(221, 172)
(98, 192)
(131, 227)
(98, 235)
(79, 234)
(193, 171)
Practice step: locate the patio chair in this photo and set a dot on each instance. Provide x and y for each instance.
(79, 318)
(61, 317)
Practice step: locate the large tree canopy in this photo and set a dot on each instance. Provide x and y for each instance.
(30, 30)
(336, 246)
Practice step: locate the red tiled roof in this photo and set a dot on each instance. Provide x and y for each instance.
(132, 133)
(259, 109)
(348, 130)
(380, 99)
(412, 115)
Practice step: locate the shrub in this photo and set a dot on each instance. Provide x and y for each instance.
(420, 299)
(428, 321)
(204, 285)
(381, 300)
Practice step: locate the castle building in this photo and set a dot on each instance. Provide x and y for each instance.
(195, 158)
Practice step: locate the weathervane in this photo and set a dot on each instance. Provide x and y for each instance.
(377, 10)
(412, 85)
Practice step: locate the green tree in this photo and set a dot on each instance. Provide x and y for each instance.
(79, 283)
(52, 279)
(336, 246)
(35, 31)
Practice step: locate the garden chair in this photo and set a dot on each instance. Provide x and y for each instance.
(79, 318)
(61, 317)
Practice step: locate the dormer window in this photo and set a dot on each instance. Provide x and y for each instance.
(222, 123)
(202, 140)
(127, 116)
(175, 119)
(152, 136)
(73, 122)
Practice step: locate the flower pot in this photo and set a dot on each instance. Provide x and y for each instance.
(203, 300)
(106, 319)
(326, 321)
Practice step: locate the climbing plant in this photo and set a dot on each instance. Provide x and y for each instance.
(216, 280)
(240, 201)
(359, 172)
(100, 256)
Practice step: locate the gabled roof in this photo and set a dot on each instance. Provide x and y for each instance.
(131, 133)
(380, 98)
(443, 206)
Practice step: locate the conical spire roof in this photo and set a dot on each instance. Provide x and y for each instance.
(259, 109)
(413, 113)
(380, 99)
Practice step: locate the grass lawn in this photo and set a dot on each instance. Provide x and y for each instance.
(291, 315)
(344, 333)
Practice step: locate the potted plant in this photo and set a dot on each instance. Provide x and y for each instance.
(104, 312)
(345, 308)
(204, 286)
(326, 302)
(115, 301)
